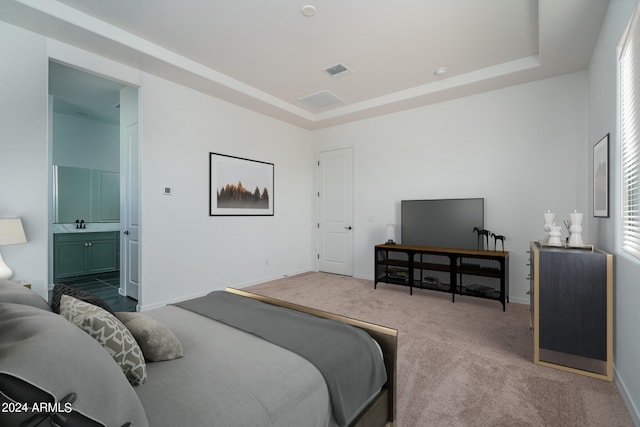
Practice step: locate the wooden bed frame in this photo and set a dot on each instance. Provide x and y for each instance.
(382, 410)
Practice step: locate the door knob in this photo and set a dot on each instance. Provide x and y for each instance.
(348, 228)
(126, 232)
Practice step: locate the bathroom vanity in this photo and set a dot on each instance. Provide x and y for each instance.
(86, 229)
(82, 253)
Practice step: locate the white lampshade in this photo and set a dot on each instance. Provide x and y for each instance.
(11, 233)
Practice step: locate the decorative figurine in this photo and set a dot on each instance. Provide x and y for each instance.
(554, 235)
(549, 217)
(486, 234)
(575, 229)
(497, 237)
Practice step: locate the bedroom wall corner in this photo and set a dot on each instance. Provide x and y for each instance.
(24, 150)
(605, 232)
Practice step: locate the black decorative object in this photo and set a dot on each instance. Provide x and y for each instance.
(482, 233)
(497, 237)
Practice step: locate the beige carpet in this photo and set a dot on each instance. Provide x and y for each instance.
(462, 364)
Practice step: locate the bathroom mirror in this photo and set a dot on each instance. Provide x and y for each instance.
(85, 194)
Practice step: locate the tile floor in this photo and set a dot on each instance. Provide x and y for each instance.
(105, 286)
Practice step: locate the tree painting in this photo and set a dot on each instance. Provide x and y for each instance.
(237, 196)
(240, 186)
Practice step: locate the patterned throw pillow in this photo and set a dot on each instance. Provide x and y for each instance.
(157, 341)
(110, 332)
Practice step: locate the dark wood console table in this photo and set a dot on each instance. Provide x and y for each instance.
(407, 265)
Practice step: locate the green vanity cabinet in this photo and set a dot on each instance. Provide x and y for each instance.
(78, 254)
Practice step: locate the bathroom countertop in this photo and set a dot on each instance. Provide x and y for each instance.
(91, 227)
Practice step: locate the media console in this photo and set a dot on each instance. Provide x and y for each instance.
(420, 266)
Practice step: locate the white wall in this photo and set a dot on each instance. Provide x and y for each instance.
(189, 252)
(603, 119)
(85, 143)
(24, 150)
(521, 148)
(184, 251)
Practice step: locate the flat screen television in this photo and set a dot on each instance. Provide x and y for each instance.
(442, 223)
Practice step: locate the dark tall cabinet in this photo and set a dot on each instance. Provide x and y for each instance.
(573, 309)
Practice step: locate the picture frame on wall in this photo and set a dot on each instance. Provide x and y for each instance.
(601, 178)
(239, 186)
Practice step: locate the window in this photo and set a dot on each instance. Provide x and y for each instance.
(630, 137)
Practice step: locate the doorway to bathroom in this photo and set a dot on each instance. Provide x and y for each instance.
(94, 185)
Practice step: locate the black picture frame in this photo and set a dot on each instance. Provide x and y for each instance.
(601, 178)
(239, 186)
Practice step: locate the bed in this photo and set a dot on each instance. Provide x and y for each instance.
(238, 364)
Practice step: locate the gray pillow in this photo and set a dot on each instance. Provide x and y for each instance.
(18, 294)
(44, 350)
(157, 341)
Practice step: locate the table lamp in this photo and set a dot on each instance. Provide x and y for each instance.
(390, 232)
(11, 233)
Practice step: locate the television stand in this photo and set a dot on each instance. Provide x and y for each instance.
(430, 268)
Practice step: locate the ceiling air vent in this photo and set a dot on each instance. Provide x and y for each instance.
(337, 70)
(321, 100)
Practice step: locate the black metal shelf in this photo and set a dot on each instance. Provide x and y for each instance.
(406, 265)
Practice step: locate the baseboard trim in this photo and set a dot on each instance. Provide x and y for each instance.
(145, 307)
(632, 406)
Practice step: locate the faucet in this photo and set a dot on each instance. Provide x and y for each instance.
(82, 224)
(77, 224)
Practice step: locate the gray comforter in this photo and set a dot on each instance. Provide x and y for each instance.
(347, 357)
(229, 378)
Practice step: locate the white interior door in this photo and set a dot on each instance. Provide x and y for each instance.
(335, 211)
(129, 183)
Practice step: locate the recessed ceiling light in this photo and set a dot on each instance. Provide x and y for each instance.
(440, 71)
(308, 10)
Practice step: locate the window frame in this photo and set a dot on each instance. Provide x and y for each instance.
(629, 81)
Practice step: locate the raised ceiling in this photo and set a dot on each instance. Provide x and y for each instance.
(266, 55)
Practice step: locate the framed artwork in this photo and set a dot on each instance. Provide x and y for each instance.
(239, 187)
(601, 178)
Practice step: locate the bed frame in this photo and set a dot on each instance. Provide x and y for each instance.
(381, 411)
